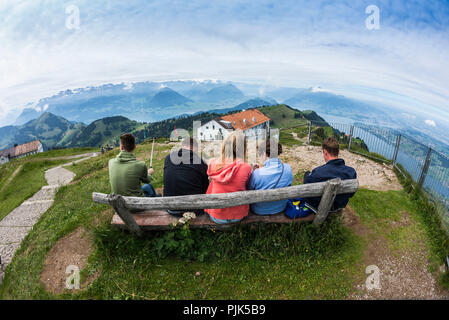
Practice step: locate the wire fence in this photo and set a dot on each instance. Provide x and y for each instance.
(428, 168)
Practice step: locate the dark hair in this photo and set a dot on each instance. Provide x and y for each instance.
(268, 148)
(128, 142)
(331, 146)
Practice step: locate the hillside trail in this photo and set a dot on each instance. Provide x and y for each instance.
(11, 177)
(18, 223)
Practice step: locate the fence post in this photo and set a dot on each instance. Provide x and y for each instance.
(425, 168)
(351, 133)
(310, 130)
(396, 149)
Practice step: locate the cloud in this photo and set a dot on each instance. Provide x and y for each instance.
(289, 43)
(430, 123)
(408, 116)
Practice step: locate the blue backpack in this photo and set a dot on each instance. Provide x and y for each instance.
(296, 208)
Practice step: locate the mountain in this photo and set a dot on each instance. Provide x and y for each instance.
(27, 115)
(48, 128)
(254, 103)
(7, 136)
(223, 93)
(167, 97)
(100, 132)
(55, 131)
(337, 105)
(284, 116)
(248, 104)
(140, 101)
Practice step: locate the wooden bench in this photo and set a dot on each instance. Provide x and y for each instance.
(153, 215)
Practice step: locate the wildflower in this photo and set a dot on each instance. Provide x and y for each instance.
(182, 220)
(197, 273)
(189, 215)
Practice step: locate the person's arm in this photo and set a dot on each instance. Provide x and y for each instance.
(312, 177)
(146, 177)
(290, 177)
(251, 185)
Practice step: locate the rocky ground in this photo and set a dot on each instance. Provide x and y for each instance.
(371, 174)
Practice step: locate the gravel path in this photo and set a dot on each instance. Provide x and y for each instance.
(16, 225)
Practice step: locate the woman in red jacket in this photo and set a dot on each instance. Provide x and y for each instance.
(229, 174)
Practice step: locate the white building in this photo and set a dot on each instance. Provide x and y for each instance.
(253, 123)
(19, 151)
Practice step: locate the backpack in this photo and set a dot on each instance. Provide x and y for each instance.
(296, 208)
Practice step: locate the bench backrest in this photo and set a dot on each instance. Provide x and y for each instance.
(326, 190)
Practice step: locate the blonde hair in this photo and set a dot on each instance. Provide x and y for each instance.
(231, 148)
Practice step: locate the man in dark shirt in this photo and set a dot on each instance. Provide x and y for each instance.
(334, 168)
(185, 173)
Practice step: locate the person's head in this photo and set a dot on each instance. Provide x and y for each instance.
(234, 147)
(267, 149)
(190, 143)
(330, 149)
(127, 142)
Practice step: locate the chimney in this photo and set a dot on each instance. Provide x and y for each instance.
(254, 120)
(244, 121)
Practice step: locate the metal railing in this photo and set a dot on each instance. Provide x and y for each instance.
(428, 168)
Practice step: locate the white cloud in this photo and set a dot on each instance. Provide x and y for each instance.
(283, 43)
(430, 123)
(409, 116)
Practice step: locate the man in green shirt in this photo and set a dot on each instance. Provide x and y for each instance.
(126, 172)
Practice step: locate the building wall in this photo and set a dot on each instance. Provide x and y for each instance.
(3, 160)
(258, 131)
(212, 131)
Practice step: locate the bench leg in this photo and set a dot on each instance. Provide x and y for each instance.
(118, 203)
(329, 194)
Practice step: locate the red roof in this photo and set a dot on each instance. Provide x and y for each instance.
(246, 119)
(21, 149)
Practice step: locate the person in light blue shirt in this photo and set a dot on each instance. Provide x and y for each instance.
(274, 174)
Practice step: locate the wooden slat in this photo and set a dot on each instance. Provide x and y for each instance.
(161, 220)
(226, 200)
(118, 203)
(330, 191)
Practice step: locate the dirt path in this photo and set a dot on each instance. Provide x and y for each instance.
(18, 223)
(402, 275)
(371, 175)
(11, 177)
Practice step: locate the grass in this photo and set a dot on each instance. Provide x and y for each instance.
(262, 262)
(29, 179)
(258, 262)
(61, 153)
(385, 212)
(287, 139)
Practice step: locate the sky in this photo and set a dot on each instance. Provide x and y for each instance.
(402, 64)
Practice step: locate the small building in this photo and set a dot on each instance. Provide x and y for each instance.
(20, 151)
(253, 123)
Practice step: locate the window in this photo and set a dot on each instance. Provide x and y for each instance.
(207, 127)
(213, 127)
